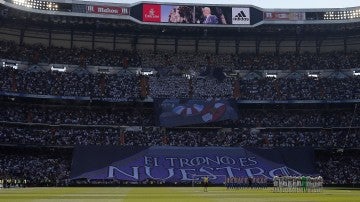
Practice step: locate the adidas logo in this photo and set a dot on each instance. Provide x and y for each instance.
(241, 17)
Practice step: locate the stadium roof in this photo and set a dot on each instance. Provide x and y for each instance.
(262, 3)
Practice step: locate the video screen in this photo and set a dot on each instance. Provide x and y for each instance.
(185, 14)
(177, 14)
(213, 15)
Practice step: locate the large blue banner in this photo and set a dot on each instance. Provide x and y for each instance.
(180, 112)
(183, 164)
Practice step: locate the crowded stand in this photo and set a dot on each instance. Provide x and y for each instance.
(38, 53)
(328, 165)
(33, 167)
(303, 89)
(119, 86)
(126, 86)
(184, 61)
(243, 137)
(180, 75)
(79, 115)
(205, 88)
(56, 83)
(154, 136)
(170, 86)
(295, 118)
(120, 110)
(59, 136)
(142, 116)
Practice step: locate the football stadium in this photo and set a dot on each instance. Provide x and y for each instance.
(106, 100)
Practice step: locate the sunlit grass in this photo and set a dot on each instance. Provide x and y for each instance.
(162, 194)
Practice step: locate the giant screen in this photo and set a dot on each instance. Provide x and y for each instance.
(190, 14)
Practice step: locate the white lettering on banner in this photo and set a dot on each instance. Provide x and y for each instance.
(184, 161)
(152, 14)
(187, 176)
(227, 160)
(148, 173)
(184, 169)
(90, 8)
(108, 10)
(172, 164)
(197, 161)
(151, 161)
(209, 160)
(251, 172)
(229, 170)
(200, 160)
(247, 161)
(135, 172)
(283, 171)
(208, 173)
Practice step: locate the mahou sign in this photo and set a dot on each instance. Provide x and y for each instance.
(108, 10)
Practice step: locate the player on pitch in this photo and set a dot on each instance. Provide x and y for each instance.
(206, 183)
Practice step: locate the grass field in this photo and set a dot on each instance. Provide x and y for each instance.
(171, 194)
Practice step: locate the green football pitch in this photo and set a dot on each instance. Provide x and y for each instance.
(171, 194)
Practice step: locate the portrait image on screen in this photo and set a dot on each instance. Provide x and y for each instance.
(212, 15)
(177, 14)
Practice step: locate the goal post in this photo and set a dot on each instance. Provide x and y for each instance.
(197, 179)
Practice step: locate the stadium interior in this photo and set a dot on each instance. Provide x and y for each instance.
(96, 94)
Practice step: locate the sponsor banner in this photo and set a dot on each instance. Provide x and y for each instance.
(133, 128)
(108, 10)
(212, 15)
(284, 16)
(151, 13)
(241, 16)
(185, 164)
(180, 112)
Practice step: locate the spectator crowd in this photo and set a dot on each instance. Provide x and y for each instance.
(37, 53)
(125, 115)
(154, 136)
(34, 167)
(80, 84)
(181, 75)
(339, 167)
(125, 86)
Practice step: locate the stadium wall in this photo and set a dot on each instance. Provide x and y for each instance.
(106, 40)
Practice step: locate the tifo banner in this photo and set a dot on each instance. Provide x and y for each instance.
(109, 10)
(185, 164)
(179, 112)
(241, 16)
(151, 13)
